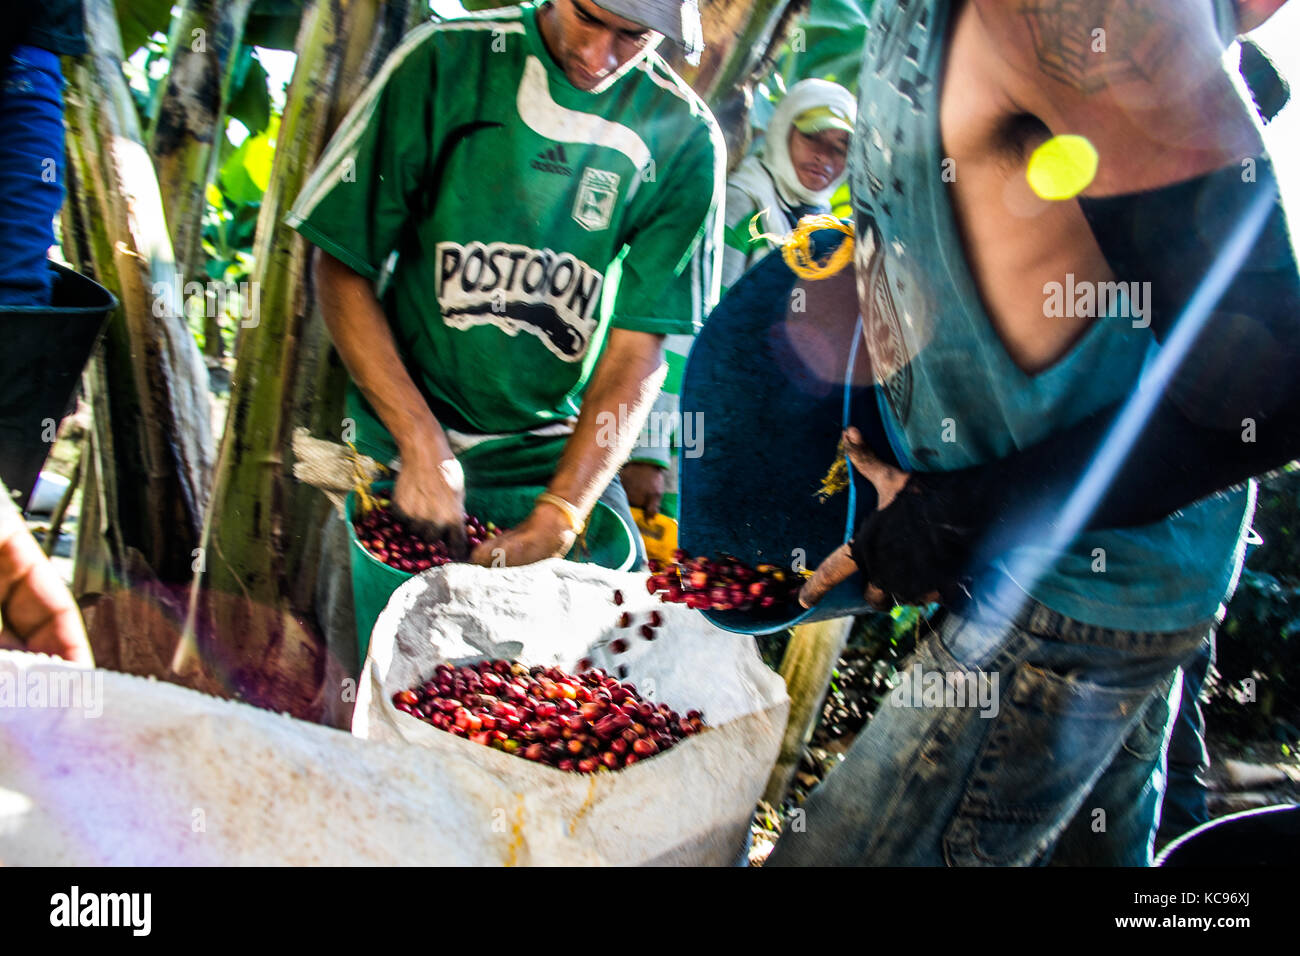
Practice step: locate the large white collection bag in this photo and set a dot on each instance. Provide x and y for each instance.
(689, 805)
(102, 768)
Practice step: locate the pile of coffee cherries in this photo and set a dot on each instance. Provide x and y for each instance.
(582, 723)
(389, 538)
(723, 585)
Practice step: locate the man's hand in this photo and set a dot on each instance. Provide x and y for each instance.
(903, 559)
(545, 533)
(36, 610)
(644, 484)
(430, 495)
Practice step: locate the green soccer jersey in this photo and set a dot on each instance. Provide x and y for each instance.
(520, 218)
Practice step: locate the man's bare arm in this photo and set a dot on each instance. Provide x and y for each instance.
(1142, 80)
(426, 490)
(622, 388)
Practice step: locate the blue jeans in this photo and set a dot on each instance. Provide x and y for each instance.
(1185, 806)
(31, 173)
(938, 778)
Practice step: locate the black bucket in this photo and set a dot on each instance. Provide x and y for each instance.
(773, 394)
(1266, 836)
(42, 352)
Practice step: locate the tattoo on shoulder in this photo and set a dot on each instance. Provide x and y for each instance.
(1092, 44)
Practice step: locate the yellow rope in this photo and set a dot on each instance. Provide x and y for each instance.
(796, 248)
(361, 481)
(836, 479)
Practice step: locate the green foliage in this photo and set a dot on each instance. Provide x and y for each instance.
(144, 85)
(1260, 637)
(244, 176)
(274, 24)
(228, 231)
(242, 172)
(141, 19)
(250, 97)
(891, 635)
(828, 43)
(230, 224)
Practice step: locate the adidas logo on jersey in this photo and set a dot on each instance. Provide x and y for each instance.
(552, 160)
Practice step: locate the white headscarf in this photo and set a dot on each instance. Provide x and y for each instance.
(803, 96)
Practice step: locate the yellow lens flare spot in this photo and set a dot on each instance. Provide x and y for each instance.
(1062, 167)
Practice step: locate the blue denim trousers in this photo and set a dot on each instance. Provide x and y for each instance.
(1061, 763)
(1185, 805)
(31, 173)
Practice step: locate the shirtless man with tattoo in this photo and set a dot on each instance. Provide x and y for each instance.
(1067, 473)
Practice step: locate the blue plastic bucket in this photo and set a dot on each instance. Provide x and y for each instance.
(774, 391)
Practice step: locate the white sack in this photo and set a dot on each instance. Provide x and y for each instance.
(112, 769)
(691, 804)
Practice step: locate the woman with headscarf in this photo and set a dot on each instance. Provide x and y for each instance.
(801, 164)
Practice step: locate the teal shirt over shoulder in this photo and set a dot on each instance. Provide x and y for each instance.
(952, 397)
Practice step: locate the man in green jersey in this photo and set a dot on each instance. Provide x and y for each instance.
(515, 213)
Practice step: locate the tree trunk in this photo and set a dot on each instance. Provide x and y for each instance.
(807, 667)
(188, 124)
(152, 437)
(740, 40)
(737, 36)
(260, 539)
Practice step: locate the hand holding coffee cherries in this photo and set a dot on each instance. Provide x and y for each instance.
(429, 495)
(545, 533)
(391, 539)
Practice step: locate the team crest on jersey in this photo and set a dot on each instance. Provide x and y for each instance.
(597, 193)
(551, 295)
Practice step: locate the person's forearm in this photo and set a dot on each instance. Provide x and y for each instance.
(618, 398)
(364, 340)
